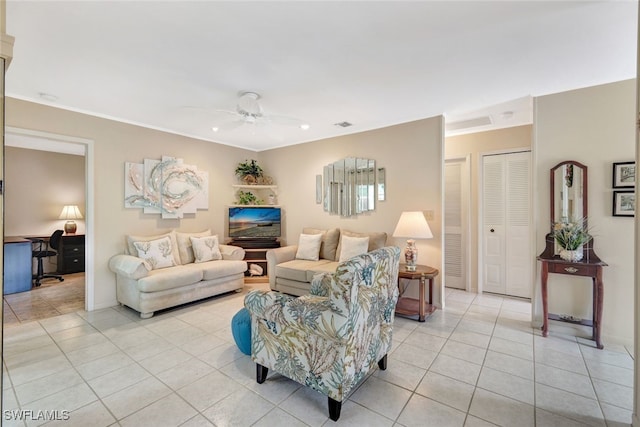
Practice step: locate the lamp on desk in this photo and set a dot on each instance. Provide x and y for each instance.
(412, 225)
(70, 212)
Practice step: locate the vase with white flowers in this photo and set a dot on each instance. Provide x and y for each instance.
(571, 236)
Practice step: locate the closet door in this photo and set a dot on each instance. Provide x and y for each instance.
(454, 238)
(518, 225)
(507, 224)
(493, 209)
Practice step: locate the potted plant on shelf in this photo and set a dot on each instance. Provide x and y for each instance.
(249, 171)
(248, 198)
(570, 236)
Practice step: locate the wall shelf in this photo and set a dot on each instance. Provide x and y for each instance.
(260, 191)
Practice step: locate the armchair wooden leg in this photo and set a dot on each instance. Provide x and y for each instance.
(334, 409)
(261, 373)
(382, 363)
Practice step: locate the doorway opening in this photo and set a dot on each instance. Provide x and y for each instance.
(58, 172)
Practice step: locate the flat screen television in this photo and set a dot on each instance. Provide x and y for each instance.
(255, 222)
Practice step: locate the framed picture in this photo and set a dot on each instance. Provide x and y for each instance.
(624, 203)
(624, 175)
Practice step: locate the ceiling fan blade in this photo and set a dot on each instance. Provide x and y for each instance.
(227, 126)
(284, 120)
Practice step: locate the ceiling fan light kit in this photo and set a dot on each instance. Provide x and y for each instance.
(249, 112)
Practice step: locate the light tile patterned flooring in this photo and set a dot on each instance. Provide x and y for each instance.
(478, 363)
(51, 298)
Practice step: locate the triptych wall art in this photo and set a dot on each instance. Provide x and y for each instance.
(167, 187)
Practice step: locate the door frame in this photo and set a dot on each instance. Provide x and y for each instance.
(466, 218)
(480, 219)
(89, 150)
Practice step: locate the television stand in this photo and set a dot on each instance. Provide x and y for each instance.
(256, 253)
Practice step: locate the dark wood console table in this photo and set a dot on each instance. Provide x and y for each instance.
(591, 266)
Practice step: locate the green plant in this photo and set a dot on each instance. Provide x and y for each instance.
(571, 235)
(249, 168)
(248, 198)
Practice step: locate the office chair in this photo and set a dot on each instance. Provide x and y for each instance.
(44, 252)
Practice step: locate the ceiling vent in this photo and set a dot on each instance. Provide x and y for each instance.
(470, 123)
(343, 124)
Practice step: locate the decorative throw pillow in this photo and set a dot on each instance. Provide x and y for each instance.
(131, 249)
(353, 246)
(376, 240)
(184, 245)
(157, 253)
(330, 239)
(206, 248)
(309, 247)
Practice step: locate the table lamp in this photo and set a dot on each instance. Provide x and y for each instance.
(70, 212)
(412, 225)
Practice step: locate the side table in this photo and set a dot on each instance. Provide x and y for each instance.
(411, 306)
(591, 267)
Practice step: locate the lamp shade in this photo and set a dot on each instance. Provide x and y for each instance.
(413, 225)
(70, 212)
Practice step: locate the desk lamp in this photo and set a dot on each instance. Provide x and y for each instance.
(412, 225)
(70, 212)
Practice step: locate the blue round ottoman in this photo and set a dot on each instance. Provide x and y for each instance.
(241, 330)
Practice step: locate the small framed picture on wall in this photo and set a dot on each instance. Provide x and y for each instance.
(624, 203)
(624, 175)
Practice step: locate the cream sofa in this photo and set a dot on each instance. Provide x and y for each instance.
(146, 290)
(293, 276)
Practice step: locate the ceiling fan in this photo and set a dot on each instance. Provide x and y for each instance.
(249, 112)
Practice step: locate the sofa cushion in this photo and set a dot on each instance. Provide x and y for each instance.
(156, 253)
(169, 278)
(376, 240)
(216, 269)
(330, 241)
(205, 248)
(298, 269)
(131, 249)
(185, 249)
(351, 246)
(309, 247)
(325, 267)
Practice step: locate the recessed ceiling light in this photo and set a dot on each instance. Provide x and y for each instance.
(48, 96)
(215, 129)
(305, 126)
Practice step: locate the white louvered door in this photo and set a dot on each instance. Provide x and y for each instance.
(506, 224)
(454, 238)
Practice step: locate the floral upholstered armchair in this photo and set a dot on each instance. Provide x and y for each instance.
(330, 339)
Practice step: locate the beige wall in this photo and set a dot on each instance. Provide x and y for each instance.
(37, 185)
(474, 145)
(594, 126)
(411, 153)
(114, 144)
(412, 156)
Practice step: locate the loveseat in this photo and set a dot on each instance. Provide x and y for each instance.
(174, 268)
(291, 268)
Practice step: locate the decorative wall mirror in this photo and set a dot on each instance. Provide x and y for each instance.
(569, 187)
(381, 184)
(568, 203)
(350, 186)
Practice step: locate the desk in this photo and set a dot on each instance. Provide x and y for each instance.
(411, 306)
(17, 265)
(592, 267)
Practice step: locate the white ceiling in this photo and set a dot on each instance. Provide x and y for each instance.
(373, 64)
